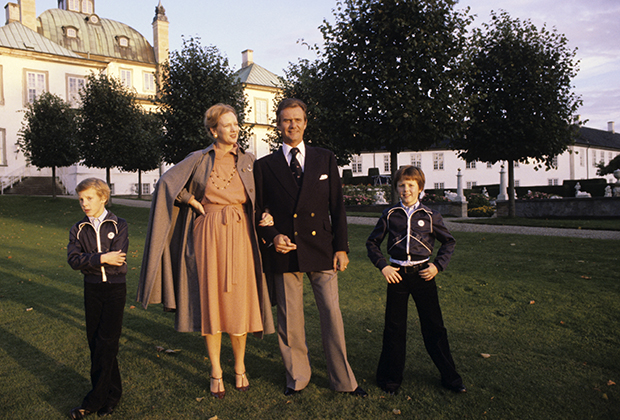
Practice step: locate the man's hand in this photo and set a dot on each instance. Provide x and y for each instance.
(116, 258)
(429, 273)
(341, 260)
(391, 274)
(283, 244)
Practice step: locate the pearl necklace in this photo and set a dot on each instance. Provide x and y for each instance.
(226, 181)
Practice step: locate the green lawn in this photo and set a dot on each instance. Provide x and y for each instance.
(546, 310)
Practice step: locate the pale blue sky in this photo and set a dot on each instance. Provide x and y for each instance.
(272, 29)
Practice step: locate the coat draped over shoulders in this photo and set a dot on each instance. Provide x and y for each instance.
(168, 274)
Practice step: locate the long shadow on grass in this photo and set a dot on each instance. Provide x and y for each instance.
(57, 379)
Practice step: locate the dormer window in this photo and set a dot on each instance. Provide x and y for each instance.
(73, 5)
(87, 7)
(123, 41)
(70, 31)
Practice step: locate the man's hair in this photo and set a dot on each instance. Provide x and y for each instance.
(410, 173)
(290, 103)
(103, 190)
(213, 114)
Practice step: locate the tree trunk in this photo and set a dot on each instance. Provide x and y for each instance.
(108, 180)
(393, 169)
(511, 188)
(139, 184)
(53, 182)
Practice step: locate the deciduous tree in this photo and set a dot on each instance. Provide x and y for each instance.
(48, 137)
(144, 146)
(193, 80)
(519, 89)
(387, 76)
(107, 123)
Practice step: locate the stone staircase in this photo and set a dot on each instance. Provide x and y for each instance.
(36, 185)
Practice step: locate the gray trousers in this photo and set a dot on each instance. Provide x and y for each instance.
(292, 334)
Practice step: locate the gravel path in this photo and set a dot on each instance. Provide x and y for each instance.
(461, 227)
(520, 230)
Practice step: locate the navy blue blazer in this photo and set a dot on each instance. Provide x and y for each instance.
(303, 214)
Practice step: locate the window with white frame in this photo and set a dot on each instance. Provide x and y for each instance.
(149, 81)
(489, 165)
(516, 164)
(123, 41)
(71, 32)
(126, 78)
(553, 181)
(386, 164)
(75, 84)
(356, 164)
(554, 162)
(594, 158)
(87, 7)
(146, 188)
(416, 160)
(36, 84)
(73, 5)
(602, 157)
(582, 161)
(438, 161)
(3, 147)
(112, 189)
(439, 185)
(470, 164)
(261, 115)
(517, 183)
(471, 184)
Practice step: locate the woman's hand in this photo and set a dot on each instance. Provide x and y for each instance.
(196, 205)
(266, 220)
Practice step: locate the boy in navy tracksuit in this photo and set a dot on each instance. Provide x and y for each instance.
(98, 247)
(412, 229)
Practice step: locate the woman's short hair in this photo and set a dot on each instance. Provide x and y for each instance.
(410, 173)
(99, 185)
(213, 114)
(290, 103)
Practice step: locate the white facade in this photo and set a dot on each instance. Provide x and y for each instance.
(34, 58)
(441, 167)
(261, 88)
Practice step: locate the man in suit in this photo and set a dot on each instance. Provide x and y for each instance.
(300, 186)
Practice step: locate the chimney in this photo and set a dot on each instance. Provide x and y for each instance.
(610, 127)
(12, 12)
(28, 14)
(247, 58)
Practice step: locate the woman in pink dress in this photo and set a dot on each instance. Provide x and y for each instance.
(201, 254)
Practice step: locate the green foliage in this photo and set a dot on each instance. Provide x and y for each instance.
(361, 195)
(484, 211)
(612, 166)
(195, 79)
(48, 134)
(386, 76)
(519, 90)
(433, 198)
(477, 200)
(108, 122)
(144, 153)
